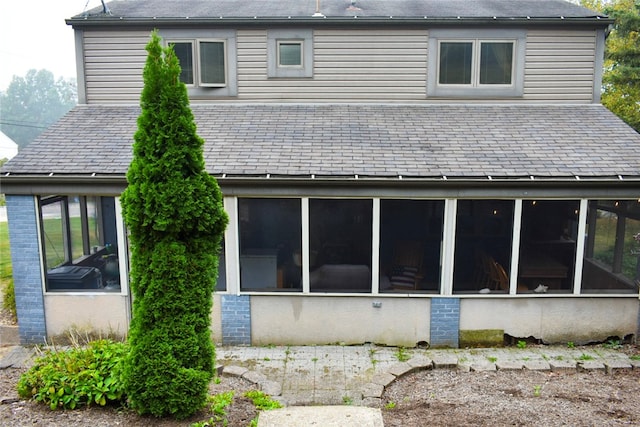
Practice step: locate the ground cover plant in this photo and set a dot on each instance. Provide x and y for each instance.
(173, 209)
(79, 376)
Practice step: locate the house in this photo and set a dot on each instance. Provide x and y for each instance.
(8, 148)
(396, 172)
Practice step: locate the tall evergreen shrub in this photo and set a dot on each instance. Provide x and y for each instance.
(173, 209)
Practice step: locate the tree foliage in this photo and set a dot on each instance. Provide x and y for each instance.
(621, 79)
(34, 102)
(173, 209)
(622, 68)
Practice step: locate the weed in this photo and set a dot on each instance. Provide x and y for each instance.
(217, 380)
(9, 299)
(218, 404)
(521, 344)
(635, 357)
(526, 359)
(492, 359)
(537, 390)
(613, 344)
(402, 355)
(262, 401)
(389, 406)
(347, 400)
(267, 359)
(314, 360)
(570, 344)
(559, 357)
(585, 356)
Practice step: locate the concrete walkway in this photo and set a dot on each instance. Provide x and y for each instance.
(357, 375)
(343, 385)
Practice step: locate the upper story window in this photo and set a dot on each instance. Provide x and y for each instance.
(202, 61)
(208, 61)
(483, 63)
(290, 53)
(475, 63)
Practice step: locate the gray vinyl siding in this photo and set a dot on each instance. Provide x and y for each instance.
(113, 64)
(560, 66)
(362, 65)
(349, 65)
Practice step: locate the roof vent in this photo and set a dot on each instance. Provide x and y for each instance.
(352, 7)
(318, 14)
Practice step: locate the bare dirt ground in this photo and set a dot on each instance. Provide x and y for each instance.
(435, 397)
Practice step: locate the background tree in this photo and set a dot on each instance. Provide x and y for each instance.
(33, 103)
(622, 68)
(173, 209)
(621, 78)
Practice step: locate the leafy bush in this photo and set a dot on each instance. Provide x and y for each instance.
(76, 377)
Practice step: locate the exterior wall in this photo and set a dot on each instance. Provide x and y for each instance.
(299, 320)
(553, 320)
(25, 259)
(363, 65)
(113, 64)
(560, 66)
(349, 65)
(101, 314)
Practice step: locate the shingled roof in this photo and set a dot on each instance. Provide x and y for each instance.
(194, 10)
(377, 141)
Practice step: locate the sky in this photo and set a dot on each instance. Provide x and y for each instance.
(35, 36)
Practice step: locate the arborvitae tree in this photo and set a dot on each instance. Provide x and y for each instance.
(173, 209)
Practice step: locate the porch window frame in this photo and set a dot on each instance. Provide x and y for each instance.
(447, 252)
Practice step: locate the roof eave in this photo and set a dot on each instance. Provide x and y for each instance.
(115, 183)
(113, 21)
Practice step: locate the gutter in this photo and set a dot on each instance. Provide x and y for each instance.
(114, 21)
(524, 186)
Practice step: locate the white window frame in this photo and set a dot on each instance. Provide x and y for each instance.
(198, 69)
(475, 89)
(300, 43)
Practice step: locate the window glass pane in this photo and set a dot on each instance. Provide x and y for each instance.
(495, 63)
(548, 245)
(484, 234)
(212, 68)
(290, 53)
(98, 270)
(410, 244)
(75, 227)
(107, 260)
(53, 230)
(221, 283)
(92, 222)
(270, 244)
(184, 52)
(455, 62)
(340, 245)
(612, 253)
